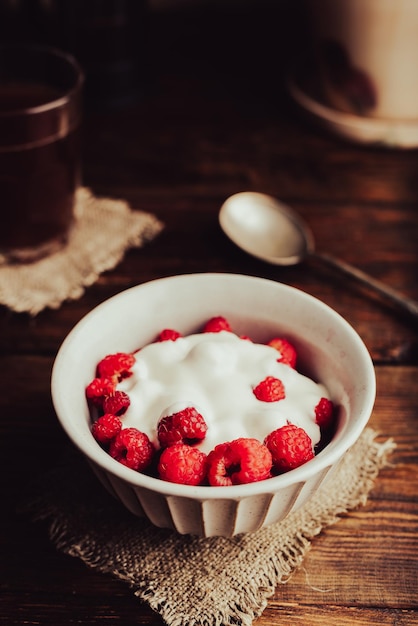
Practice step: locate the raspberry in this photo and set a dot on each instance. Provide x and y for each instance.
(182, 464)
(216, 324)
(117, 403)
(168, 334)
(287, 351)
(186, 426)
(290, 446)
(270, 390)
(106, 428)
(132, 448)
(117, 366)
(324, 411)
(98, 389)
(244, 460)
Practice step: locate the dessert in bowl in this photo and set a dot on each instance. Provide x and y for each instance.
(330, 353)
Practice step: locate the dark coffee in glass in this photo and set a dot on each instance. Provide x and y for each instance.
(40, 114)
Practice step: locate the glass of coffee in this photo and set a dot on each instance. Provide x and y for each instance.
(40, 116)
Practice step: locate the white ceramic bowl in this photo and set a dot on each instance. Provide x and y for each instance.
(329, 350)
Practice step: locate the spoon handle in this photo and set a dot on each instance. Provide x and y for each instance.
(392, 295)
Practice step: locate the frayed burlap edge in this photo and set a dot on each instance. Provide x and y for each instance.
(192, 581)
(103, 231)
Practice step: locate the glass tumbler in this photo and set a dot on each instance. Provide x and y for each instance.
(40, 164)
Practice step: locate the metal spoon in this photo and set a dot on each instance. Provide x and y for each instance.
(269, 230)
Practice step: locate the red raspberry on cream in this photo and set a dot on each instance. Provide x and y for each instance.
(209, 408)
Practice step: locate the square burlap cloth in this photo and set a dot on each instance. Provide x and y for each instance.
(104, 229)
(190, 580)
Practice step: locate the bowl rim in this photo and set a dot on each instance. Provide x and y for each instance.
(327, 457)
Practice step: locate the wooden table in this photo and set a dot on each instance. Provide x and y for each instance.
(214, 120)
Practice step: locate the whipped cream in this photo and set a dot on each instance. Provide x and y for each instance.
(216, 373)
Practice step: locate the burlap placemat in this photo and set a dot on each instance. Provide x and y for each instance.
(190, 580)
(104, 230)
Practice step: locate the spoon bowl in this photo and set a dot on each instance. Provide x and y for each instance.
(273, 232)
(266, 228)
